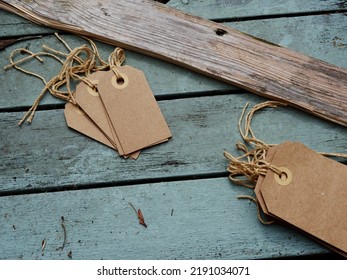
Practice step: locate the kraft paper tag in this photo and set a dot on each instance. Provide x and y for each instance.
(89, 101)
(310, 194)
(132, 109)
(78, 120)
(269, 157)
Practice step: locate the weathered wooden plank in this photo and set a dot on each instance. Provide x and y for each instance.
(200, 219)
(11, 25)
(204, 46)
(322, 37)
(226, 9)
(47, 154)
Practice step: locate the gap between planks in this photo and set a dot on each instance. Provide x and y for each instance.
(208, 222)
(166, 97)
(111, 184)
(278, 16)
(202, 127)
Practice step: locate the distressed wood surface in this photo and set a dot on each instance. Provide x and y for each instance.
(226, 9)
(46, 154)
(200, 219)
(204, 46)
(187, 218)
(221, 10)
(322, 37)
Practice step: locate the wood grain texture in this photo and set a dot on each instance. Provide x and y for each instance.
(187, 219)
(318, 36)
(48, 155)
(200, 219)
(211, 9)
(204, 46)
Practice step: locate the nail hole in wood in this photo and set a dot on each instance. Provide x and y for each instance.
(220, 32)
(162, 1)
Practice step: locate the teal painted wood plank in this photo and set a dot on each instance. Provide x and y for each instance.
(217, 9)
(47, 154)
(13, 25)
(200, 219)
(323, 37)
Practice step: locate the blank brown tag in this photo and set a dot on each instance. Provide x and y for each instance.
(89, 100)
(269, 157)
(133, 110)
(78, 120)
(310, 195)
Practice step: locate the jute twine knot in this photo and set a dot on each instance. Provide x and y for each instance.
(115, 60)
(245, 170)
(77, 64)
(252, 162)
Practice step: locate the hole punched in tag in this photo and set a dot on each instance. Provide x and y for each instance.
(292, 184)
(120, 82)
(285, 178)
(93, 91)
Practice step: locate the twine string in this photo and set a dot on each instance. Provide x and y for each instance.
(245, 169)
(260, 217)
(115, 60)
(77, 65)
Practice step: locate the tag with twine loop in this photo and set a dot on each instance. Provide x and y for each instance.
(245, 169)
(76, 66)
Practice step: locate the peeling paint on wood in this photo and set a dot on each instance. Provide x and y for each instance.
(209, 222)
(202, 129)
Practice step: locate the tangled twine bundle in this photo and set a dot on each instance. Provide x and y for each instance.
(77, 64)
(252, 162)
(245, 169)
